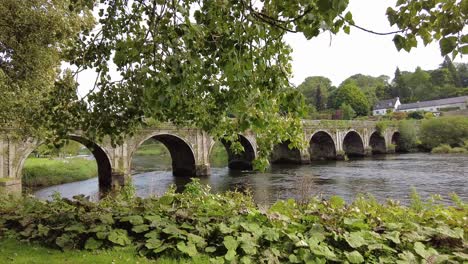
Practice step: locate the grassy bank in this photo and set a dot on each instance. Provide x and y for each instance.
(218, 155)
(230, 228)
(22, 252)
(41, 172)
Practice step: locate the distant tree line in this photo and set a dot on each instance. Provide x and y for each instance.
(356, 95)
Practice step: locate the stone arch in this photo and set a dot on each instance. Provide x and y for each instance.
(182, 154)
(377, 143)
(241, 161)
(322, 146)
(353, 145)
(283, 154)
(104, 166)
(396, 141)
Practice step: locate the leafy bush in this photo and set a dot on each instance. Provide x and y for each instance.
(416, 115)
(347, 111)
(408, 135)
(444, 148)
(229, 227)
(452, 130)
(458, 150)
(399, 115)
(350, 94)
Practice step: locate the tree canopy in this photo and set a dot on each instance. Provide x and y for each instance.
(194, 63)
(350, 94)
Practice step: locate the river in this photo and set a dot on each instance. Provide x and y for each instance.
(384, 177)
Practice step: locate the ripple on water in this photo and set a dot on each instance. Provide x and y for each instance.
(384, 177)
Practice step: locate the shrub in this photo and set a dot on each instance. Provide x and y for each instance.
(408, 135)
(398, 115)
(458, 150)
(416, 115)
(444, 148)
(230, 228)
(451, 130)
(347, 111)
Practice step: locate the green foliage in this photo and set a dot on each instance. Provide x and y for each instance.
(381, 126)
(444, 130)
(350, 94)
(218, 155)
(444, 148)
(370, 86)
(20, 252)
(347, 111)
(33, 37)
(408, 135)
(316, 90)
(445, 24)
(449, 80)
(41, 172)
(229, 227)
(416, 115)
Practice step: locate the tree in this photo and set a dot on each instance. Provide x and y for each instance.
(369, 85)
(439, 20)
(316, 90)
(33, 36)
(347, 111)
(188, 62)
(350, 94)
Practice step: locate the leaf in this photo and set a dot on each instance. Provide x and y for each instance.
(230, 243)
(421, 250)
(119, 237)
(337, 202)
(188, 248)
(355, 239)
(133, 219)
(65, 241)
(153, 243)
(210, 249)
(453, 233)
(92, 244)
(447, 45)
(323, 250)
(140, 228)
(393, 236)
(354, 257)
(106, 219)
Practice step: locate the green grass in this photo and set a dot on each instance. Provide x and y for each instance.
(14, 251)
(152, 149)
(218, 155)
(41, 172)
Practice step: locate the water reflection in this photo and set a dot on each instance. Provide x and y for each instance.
(384, 177)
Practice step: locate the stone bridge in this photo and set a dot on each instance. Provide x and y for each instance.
(190, 150)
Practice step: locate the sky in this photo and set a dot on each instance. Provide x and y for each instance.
(359, 52)
(340, 56)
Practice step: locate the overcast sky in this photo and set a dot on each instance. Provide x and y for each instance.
(345, 55)
(359, 52)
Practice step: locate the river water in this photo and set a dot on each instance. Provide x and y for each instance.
(384, 177)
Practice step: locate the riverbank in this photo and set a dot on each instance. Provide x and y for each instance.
(43, 172)
(13, 251)
(230, 227)
(218, 156)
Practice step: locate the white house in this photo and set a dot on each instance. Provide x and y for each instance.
(381, 107)
(447, 104)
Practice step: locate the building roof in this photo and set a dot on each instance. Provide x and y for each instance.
(385, 104)
(446, 101)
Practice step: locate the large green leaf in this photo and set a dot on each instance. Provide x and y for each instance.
(119, 237)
